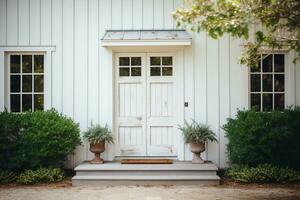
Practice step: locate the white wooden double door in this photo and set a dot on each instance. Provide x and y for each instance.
(146, 101)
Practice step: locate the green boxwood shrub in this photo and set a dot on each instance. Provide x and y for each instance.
(36, 139)
(7, 176)
(257, 137)
(41, 175)
(264, 173)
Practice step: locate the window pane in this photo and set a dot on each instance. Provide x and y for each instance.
(255, 102)
(279, 63)
(155, 71)
(39, 83)
(27, 83)
(15, 103)
(136, 71)
(15, 83)
(267, 82)
(136, 61)
(279, 82)
(15, 62)
(27, 64)
(124, 61)
(255, 82)
(38, 102)
(279, 101)
(154, 60)
(124, 71)
(26, 102)
(167, 60)
(39, 64)
(267, 102)
(267, 63)
(167, 71)
(256, 68)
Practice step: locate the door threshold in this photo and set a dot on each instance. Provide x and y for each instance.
(119, 158)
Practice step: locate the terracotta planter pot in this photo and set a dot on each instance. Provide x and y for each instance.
(97, 149)
(197, 149)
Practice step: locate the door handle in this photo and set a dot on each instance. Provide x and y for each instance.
(139, 118)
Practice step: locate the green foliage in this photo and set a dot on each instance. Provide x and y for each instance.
(264, 173)
(7, 176)
(279, 18)
(197, 133)
(36, 139)
(97, 134)
(258, 137)
(41, 175)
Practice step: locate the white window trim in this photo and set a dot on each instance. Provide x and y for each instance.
(47, 51)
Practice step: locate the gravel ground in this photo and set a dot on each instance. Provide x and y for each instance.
(150, 193)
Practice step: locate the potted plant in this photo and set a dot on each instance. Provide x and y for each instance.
(97, 136)
(196, 135)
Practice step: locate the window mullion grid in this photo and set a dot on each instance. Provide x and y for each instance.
(32, 89)
(21, 82)
(273, 82)
(261, 82)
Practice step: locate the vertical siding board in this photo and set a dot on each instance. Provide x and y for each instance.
(117, 19)
(137, 14)
(177, 4)
(35, 23)
(158, 8)
(2, 82)
(45, 22)
(68, 58)
(12, 22)
(224, 96)
(3, 22)
(57, 55)
(127, 13)
(168, 9)
(148, 14)
(213, 94)
(24, 22)
(93, 41)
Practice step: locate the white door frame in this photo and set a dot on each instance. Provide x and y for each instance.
(179, 85)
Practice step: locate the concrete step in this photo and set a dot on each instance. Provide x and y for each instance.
(114, 173)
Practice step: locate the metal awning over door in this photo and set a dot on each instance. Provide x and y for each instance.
(146, 38)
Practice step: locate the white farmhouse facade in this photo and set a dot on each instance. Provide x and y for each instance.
(124, 63)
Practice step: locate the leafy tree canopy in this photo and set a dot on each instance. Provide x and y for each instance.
(279, 19)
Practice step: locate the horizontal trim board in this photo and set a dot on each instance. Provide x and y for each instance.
(145, 43)
(26, 48)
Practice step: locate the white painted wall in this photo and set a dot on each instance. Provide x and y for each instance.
(215, 85)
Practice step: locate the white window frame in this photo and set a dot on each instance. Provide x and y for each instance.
(285, 92)
(4, 84)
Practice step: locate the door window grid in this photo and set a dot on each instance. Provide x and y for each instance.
(267, 83)
(26, 82)
(161, 66)
(130, 66)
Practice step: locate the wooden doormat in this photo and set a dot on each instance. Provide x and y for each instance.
(146, 161)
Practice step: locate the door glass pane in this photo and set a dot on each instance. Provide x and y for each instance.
(167, 71)
(267, 63)
(27, 63)
(136, 71)
(136, 61)
(167, 60)
(15, 103)
(15, 83)
(279, 63)
(279, 82)
(26, 102)
(124, 61)
(267, 102)
(154, 60)
(279, 101)
(39, 83)
(15, 62)
(267, 82)
(39, 64)
(27, 83)
(124, 71)
(255, 83)
(38, 102)
(155, 71)
(255, 102)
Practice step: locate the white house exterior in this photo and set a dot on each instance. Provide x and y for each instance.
(52, 55)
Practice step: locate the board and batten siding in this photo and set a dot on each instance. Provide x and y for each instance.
(215, 84)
